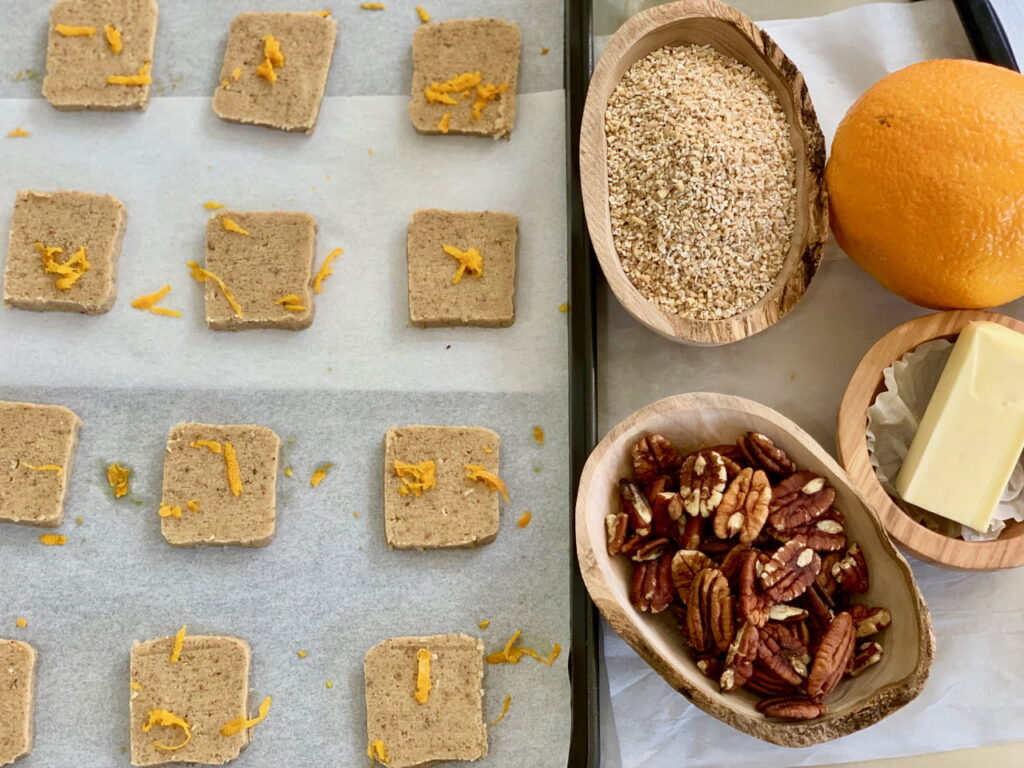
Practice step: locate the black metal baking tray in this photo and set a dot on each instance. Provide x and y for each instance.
(990, 44)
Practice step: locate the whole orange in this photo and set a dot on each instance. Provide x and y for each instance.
(926, 183)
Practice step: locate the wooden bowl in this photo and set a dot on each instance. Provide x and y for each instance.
(1005, 552)
(701, 419)
(707, 22)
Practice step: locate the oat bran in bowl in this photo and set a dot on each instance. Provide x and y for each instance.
(701, 163)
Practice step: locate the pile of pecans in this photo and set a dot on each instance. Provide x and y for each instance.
(753, 559)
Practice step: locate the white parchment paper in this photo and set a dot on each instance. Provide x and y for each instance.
(893, 420)
(801, 367)
(327, 584)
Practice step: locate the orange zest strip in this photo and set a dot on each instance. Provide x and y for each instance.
(231, 465)
(202, 275)
(481, 474)
(179, 644)
(149, 302)
(325, 269)
(240, 724)
(423, 685)
(504, 710)
(168, 720)
(53, 540)
(70, 30)
(142, 77)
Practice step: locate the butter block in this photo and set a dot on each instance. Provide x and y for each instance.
(972, 432)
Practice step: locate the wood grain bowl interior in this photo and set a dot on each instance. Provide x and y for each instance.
(866, 383)
(707, 22)
(696, 420)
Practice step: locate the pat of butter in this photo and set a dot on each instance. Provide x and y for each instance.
(972, 432)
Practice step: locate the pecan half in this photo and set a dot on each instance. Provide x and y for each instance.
(752, 606)
(767, 683)
(761, 452)
(710, 666)
(868, 621)
(730, 455)
(660, 484)
(739, 659)
(821, 535)
(654, 455)
(819, 606)
(651, 549)
(790, 571)
(732, 562)
(666, 509)
(791, 708)
(744, 506)
(616, 525)
(634, 504)
(702, 482)
(852, 571)
(786, 613)
(709, 612)
(782, 652)
(651, 586)
(832, 657)
(809, 502)
(867, 654)
(826, 580)
(686, 564)
(691, 532)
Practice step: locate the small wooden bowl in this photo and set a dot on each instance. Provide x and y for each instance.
(707, 22)
(1005, 552)
(701, 419)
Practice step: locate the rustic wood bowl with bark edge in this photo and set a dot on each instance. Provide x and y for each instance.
(707, 22)
(695, 420)
(1005, 552)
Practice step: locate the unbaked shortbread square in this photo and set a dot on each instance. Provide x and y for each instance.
(261, 269)
(207, 687)
(487, 299)
(78, 65)
(292, 101)
(208, 503)
(457, 511)
(449, 725)
(37, 449)
(17, 699)
(443, 52)
(68, 221)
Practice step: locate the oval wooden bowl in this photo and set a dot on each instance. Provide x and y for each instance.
(707, 22)
(700, 419)
(1005, 552)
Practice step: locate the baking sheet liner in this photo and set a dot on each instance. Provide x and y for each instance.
(327, 584)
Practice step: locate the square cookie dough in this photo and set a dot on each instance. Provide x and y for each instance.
(37, 448)
(449, 725)
(80, 61)
(17, 699)
(284, 91)
(268, 271)
(207, 687)
(486, 299)
(220, 485)
(454, 511)
(47, 270)
(465, 75)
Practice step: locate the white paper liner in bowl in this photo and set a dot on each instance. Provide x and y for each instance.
(893, 420)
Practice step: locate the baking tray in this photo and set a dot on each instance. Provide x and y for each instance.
(116, 580)
(990, 44)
